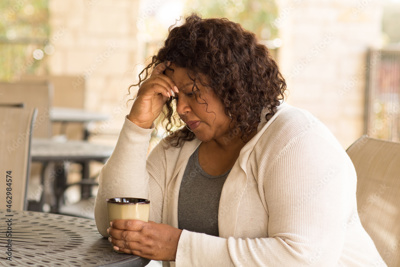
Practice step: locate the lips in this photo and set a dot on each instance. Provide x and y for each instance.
(193, 124)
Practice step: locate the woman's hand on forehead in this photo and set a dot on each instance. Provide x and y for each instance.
(151, 97)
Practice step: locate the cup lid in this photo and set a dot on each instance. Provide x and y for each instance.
(128, 200)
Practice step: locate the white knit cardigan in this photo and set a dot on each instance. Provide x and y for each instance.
(289, 200)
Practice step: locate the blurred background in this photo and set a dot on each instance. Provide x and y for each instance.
(340, 58)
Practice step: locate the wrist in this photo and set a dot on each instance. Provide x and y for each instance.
(144, 125)
(177, 235)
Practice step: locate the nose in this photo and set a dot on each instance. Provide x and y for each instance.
(182, 105)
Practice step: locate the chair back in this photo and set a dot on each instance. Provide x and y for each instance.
(15, 142)
(377, 163)
(68, 92)
(38, 95)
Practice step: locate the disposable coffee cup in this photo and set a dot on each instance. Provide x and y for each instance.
(128, 208)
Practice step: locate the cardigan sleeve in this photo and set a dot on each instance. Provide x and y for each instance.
(309, 187)
(124, 174)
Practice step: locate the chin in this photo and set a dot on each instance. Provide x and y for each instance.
(203, 138)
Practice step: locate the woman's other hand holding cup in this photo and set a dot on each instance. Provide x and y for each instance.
(145, 239)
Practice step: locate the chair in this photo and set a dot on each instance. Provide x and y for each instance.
(377, 163)
(39, 93)
(68, 92)
(33, 95)
(15, 142)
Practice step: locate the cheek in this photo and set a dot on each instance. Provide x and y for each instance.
(201, 107)
(209, 109)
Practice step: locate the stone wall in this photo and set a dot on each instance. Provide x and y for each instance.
(97, 39)
(323, 58)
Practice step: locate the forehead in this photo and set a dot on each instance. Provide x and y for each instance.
(178, 74)
(184, 77)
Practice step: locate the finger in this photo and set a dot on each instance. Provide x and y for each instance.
(125, 244)
(168, 83)
(160, 68)
(129, 251)
(123, 236)
(159, 71)
(151, 88)
(124, 250)
(119, 243)
(129, 247)
(159, 89)
(159, 81)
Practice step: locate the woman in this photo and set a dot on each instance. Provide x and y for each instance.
(250, 180)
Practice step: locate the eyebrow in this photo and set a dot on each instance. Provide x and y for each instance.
(186, 85)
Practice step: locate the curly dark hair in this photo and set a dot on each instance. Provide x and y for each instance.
(241, 72)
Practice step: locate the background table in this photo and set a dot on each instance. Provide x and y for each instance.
(73, 115)
(66, 116)
(50, 150)
(45, 150)
(44, 239)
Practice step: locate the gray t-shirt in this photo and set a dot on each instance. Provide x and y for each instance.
(199, 196)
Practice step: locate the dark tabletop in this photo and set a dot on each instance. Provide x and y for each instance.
(43, 239)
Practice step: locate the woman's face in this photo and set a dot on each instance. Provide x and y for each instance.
(198, 106)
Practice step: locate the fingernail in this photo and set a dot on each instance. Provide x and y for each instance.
(110, 224)
(169, 94)
(176, 89)
(108, 230)
(173, 93)
(110, 239)
(115, 248)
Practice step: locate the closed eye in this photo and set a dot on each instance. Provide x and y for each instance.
(194, 92)
(189, 94)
